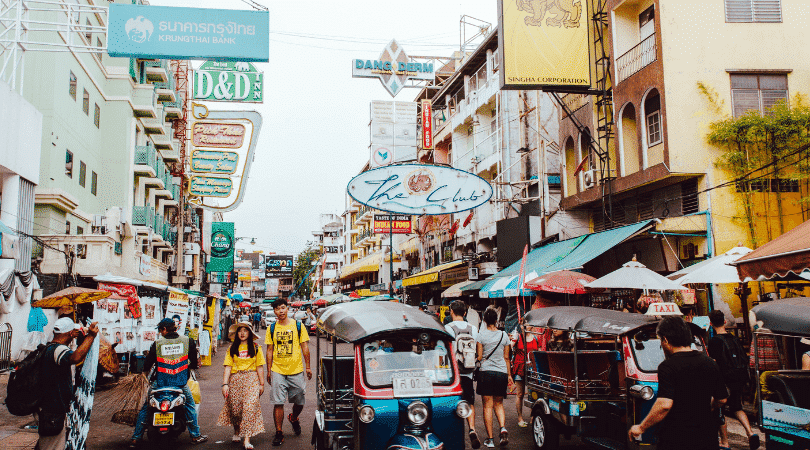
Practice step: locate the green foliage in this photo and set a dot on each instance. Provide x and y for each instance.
(712, 96)
(303, 265)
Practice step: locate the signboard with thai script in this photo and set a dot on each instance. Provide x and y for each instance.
(393, 68)
(222, 148)
(278, 266)
(392, 223)
(419, 189)
(427, 125)
(542, 47)
(149, 32)
(228, 81)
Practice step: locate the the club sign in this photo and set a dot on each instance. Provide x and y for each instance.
(419, 189)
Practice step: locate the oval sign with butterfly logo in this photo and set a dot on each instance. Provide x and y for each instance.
(419, 189)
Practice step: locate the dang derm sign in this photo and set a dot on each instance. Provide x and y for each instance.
(419, 189)
(145, 31)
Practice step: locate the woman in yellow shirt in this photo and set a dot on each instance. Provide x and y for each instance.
(243, 384)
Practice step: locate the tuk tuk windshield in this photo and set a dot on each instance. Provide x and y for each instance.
(648, 352)
(385, 359)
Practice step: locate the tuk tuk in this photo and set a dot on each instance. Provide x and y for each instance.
(782, 330)
(398, 390)
(606, 383)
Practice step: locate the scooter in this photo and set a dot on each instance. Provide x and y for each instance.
(167, 418)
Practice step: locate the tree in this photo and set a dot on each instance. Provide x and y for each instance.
(303, 267)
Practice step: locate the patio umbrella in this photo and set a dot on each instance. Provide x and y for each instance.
(297, 304)
(380, 298)
(634, 275)
(561, 281)
(70, 296)
(320, 302)
(713, 270)
(354, 294)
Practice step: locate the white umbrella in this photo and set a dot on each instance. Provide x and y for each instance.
(712, 271)
(634, 275)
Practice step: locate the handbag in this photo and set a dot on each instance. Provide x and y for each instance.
(50, 424)
(477, 371)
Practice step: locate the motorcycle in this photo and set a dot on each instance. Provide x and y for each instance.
(166, 420)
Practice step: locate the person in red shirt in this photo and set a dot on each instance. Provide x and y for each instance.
(524, 342)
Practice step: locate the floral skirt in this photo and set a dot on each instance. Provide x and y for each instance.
(242, 408)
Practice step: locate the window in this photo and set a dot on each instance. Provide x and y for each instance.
(646, 23)
(87, 33)
(750, 11)
(652, 107)
(67, 227)
(79, 230)
(97, 116)
(69, 163)
(93, 182)
(82, 173)
(73, 85)
(86, 102)
(757, 92)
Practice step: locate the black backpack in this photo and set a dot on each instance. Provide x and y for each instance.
(25, 381)
(735, 360)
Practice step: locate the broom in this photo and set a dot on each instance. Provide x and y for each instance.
(126, 399)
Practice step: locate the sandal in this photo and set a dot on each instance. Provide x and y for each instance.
(248, 446)
(236, 438)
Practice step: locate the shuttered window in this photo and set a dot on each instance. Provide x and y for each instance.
(749, 11)
(757, 92)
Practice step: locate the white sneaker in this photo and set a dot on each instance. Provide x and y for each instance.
(488, 443)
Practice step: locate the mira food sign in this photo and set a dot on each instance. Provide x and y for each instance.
(146, 31)
(419, 189)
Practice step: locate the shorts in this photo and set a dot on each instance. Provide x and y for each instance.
(288, 388)
(467, 390)
(492, 383)
(734, 400)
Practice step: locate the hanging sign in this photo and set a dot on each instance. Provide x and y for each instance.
(278, 266)
(207, 161)
(163, 32)
(427, 125)
(227, 81)
(222, 245)
(393, 68)
(177, 310)
(419, 189)
(391, 223)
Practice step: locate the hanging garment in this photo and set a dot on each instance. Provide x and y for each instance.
(205, 343)
(37, 320)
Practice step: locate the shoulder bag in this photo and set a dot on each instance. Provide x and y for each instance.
(477, 371)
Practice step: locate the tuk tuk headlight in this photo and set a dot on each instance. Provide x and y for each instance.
(417, 413)
(641, 391)
(463, 409)
(365, 413)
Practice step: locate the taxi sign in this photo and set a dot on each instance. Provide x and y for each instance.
(663, 309)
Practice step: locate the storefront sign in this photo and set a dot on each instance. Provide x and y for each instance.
(378, 287)
(217, 135)
(419, 189)
(226, 81)
(149, 32)
(222, 245)
(392, 223)
(453, 276)
(146, 266)
(278, 266)
(393, 132)
(208, 161)
(205, 186)
(393, 68)
(271, 287)
(427, 125)
(244, 275)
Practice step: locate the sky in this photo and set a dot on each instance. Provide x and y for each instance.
(315, 134)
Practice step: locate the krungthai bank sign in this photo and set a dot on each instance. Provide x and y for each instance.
(145, 31)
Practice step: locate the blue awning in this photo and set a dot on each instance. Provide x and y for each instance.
(570, 254)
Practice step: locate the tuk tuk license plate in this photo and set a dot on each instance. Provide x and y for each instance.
(163, 419)
(412, 387)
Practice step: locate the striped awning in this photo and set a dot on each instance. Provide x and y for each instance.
(430, 275)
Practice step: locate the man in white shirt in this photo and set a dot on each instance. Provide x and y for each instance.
(457, 328)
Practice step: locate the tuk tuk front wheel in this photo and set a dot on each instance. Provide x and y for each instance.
(546, 436)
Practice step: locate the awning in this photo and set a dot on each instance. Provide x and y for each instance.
(370, 263)
(789, 253)
(473, 288)
(564, 255)
(430, 275)
(409, 246)
(455, 290)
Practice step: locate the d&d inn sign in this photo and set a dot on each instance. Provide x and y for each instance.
(228, 81)
(419, 189)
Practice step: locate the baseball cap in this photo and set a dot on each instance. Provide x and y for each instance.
(166, 323)
(64, 325)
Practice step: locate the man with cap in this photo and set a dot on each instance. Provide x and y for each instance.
(59, 381)
(173, 370)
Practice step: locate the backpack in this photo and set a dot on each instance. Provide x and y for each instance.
(465, 348)
(24, 391)
(297, 325)
(735, 366)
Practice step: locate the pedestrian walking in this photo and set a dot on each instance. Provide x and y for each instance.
(686, 410)
(58, 387)
(525, 343)
(287, 353)
(494, 375)
(175, 356)
(242, 385)
(465, 348)
(257, 317)
(730, 356)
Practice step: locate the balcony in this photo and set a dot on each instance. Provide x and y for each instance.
(156, 71)
(364, 214)
(364, 238)
(173, 109)
(165, 90)
(143, 215)
(155, 124)
(145, 160)
(144, 101)
(637, 58)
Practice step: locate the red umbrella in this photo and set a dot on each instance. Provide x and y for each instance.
(319, 302)
(297, 304)
(244, 305)
(561, 281)
(354, 294)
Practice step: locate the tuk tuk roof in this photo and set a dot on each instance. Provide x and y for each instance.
(359, 320)
(587, 320)
(789, 315)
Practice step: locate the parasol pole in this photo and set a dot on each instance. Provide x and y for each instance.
(521, 282)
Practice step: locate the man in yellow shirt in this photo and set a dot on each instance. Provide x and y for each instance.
(284, 338)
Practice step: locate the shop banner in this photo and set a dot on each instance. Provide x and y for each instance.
(222, 245)
(163, 32)
(453, 276)
(244, 275)
(278, 266)
(226, 81)
(427, 125)
(125, 291)
(392, 223)
(177, 309)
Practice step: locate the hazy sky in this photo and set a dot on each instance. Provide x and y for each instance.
(314, 135)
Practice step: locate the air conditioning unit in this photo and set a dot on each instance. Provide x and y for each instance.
(589, 179)
(472, 273)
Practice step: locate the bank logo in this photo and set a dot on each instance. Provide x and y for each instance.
(139, 29)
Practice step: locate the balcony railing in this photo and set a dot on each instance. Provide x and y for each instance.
(145, 155)
(143, 215)
(637, 58)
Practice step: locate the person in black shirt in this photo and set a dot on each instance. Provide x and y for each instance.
(690, 389)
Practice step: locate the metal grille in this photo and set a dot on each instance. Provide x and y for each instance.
(5, 347)
(690, 204)
(25, 225)
(637, 58)
(749, 11)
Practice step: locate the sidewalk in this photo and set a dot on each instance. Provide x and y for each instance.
(12, 434)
